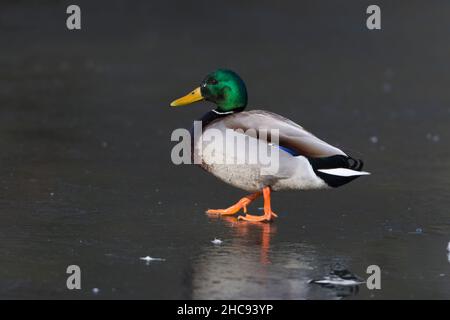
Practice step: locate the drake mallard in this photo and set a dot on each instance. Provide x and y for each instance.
(304, 161)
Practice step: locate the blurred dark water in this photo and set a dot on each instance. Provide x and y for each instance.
(86, 176)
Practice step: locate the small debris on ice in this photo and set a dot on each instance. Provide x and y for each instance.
(149, 259)
(417, 231)
(448, 252)
(433, 137)
(374, 139)
(336, 281)
(338, 277)
(216, 241)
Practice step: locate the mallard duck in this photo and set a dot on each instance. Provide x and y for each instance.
(304, 161)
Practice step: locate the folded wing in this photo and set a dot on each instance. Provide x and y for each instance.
(291, 135)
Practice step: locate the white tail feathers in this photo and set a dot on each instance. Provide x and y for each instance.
(344, 172)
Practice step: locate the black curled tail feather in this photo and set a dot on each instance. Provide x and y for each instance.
(355, 164)
(334, 162)
(338, 161)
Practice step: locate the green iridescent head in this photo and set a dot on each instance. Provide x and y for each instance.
(223, 87)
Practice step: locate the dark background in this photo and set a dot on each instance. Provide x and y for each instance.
(85, 170)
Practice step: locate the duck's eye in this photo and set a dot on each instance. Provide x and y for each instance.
(212, 81)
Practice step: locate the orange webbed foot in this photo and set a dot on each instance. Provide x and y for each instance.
(241, 204)
(268, 216)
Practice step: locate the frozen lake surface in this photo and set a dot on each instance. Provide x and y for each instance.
(86, 176)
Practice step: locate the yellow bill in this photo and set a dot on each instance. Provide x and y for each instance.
(191, 97)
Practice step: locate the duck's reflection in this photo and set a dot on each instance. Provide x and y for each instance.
(262, 233)
(252, 263)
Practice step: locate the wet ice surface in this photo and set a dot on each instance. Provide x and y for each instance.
(86, 177)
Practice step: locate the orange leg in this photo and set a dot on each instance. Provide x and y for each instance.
(241, 204)
(268, 213)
